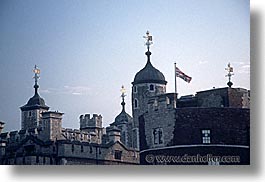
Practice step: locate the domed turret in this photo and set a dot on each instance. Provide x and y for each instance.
(31, 112)
(124, 122)
(35, 102)
(149, 74)
(148, 82)
(123, 117)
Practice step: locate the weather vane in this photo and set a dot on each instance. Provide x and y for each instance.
(123, 92)
(230, 71)
(123, 96)
(36, 70)
(148, 39)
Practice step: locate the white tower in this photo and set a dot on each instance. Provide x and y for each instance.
(147, 82)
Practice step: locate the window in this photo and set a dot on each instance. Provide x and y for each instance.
(91, 150)
(206, 138)
(82, 148)
(30, 113)
(158, 136)
(37, 159)
(168, 100)
(134, 89)
(151, 87)
(155, 105)
(135, 103)
(117, 154)
(73, 148)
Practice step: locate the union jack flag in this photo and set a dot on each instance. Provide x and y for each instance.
(182, 75)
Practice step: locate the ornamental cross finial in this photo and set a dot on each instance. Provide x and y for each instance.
(149, 40)
(230, 71)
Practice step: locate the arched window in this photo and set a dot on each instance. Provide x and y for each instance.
(135, 103)
(151, 87)
(158, 136)
(134, 89)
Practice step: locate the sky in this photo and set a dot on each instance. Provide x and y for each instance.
(86, 50)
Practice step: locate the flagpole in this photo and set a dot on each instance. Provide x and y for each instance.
(175, 77)
(175, 95)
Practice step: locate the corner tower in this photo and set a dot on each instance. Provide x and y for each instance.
(148, 82)
(31, 112)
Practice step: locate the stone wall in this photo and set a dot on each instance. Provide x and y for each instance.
(183, 126)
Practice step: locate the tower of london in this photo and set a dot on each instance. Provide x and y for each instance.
(214, 121)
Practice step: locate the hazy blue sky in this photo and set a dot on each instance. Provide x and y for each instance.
(87, 49)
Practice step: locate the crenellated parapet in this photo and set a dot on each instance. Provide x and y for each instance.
(75, 135)
(14, 137)
(162, 102)
(86, 121)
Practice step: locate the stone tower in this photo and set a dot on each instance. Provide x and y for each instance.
(147, 82)
(31, 112)
(124, 122)
(92, 125)
(51, 124)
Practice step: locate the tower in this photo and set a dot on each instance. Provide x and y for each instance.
(51, 124)
(92, 125)
(31, 112)
(147, 82)
(124, 122)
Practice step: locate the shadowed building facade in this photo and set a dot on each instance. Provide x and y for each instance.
(43, 141)
(204, 128)
(213, 122)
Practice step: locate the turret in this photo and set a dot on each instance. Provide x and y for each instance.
(147, 82)
(51, 125)
(92, 125)
(124, 122)
(31, 112)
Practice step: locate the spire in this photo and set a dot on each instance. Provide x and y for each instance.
(123, 96)
(148, 43)
(36, 71)
(230, 71)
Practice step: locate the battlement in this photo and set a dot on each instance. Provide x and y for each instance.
(162, 102)
(17, 136)
(87, 122)
(76, 135)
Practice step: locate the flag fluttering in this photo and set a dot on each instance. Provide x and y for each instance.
(182, 75)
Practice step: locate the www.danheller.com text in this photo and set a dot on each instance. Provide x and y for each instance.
(150, 158)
